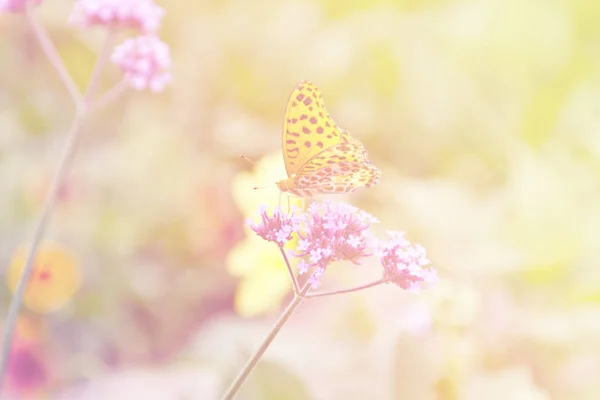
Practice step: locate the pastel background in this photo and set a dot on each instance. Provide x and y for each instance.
(484, 116)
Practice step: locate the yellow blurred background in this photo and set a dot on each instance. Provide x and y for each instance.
(484, 116)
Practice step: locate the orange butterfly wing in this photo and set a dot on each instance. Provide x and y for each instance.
(342, 168)
(308, 129)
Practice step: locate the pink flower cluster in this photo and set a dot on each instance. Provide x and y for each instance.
(145, 61)
(16, 6)
(276, 228)
(405, 264)
(143, 15)
(330, 232)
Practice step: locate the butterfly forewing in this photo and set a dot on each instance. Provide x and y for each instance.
(308, 129)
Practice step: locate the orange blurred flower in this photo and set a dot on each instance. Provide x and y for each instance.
(30, 328)
(54, 280)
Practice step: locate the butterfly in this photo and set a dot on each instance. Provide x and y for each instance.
(319, 156)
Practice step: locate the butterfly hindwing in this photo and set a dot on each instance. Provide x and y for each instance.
(340, 169)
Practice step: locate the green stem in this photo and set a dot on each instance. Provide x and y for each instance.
(109, 96)
(52, 54)
(290, 271)
(99, 67)
(349, 290)
(64, 163)
(245, 372)
(49, 202)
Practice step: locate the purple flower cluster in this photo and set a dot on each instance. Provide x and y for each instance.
(16, 6)
(277, 228)
(405, 264)
(330, 232)
(145, 61)
(142, 15)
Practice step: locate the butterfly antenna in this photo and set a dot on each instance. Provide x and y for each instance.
(261, 187)
(262, 169)
(243, 157)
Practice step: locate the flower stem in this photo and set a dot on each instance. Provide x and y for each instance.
(245, 372)
(291, 272)
(109, 96)
(99, 67)
(49, 202)
(50, 51)
(64, 163)
(349, 290)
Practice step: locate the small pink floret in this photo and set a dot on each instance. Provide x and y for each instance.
(143, 15)
(333, 232)
(145, 61)
(406, 264)
(16, 6)
(277, 227)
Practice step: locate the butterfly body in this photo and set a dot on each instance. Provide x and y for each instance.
(319, 157)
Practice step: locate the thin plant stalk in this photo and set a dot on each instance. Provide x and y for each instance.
(109, 96)
(349, 290)
(251, 364)
(290, 271)
(42, 222)
(299, 297)
(64, 163)
(99, 67)
(50, 51)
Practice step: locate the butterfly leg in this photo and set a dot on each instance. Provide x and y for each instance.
(288, 202)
